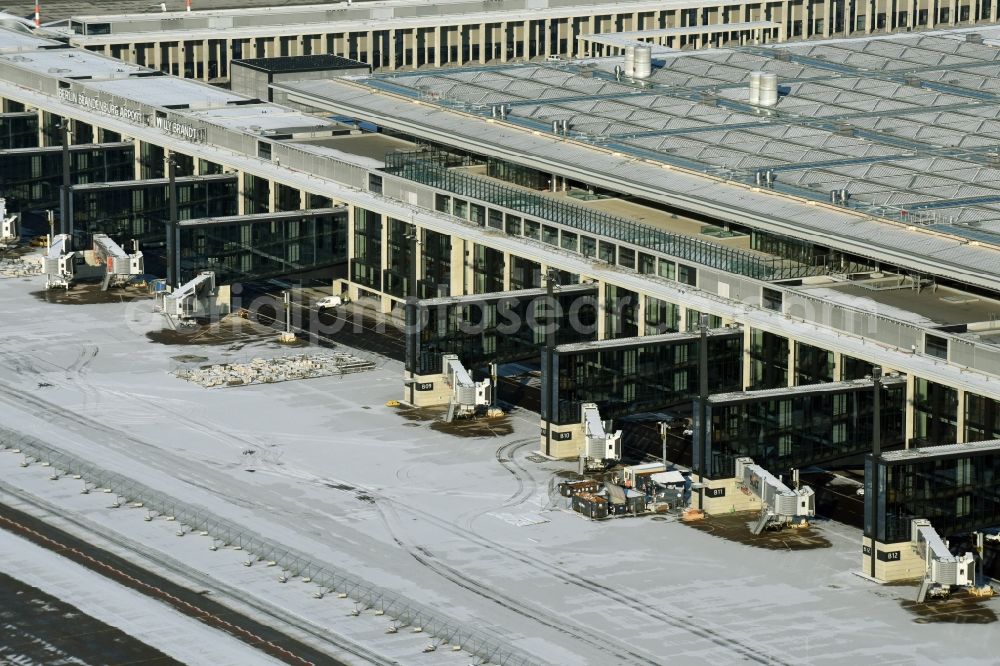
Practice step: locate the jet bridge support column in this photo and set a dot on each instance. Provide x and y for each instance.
(173, 278)
(702, 405)
(65, 221)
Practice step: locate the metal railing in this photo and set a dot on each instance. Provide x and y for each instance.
(433, 169)
(297, 564)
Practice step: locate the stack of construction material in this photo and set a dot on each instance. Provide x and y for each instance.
(19, 268)
(268, 371)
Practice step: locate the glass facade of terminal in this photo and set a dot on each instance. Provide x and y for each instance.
(524, 273)
(32, 177)
(958, 490)
(517, 174)
(80, 132)
(694, 321)
(801, 426)
(495, 327)
(152, 161)
(366, 258)
(982, 418)
(139, 209)
(51, 134)
(768, 360)
(400, 275)
(935, 414)
(563, 223)
(435, 259)
(487, 269)
(854, 368)
(661, 316)
(249, 247)
(287, 198)
(812, 365)
(418, 261)
(18, 130)
(621, 312)
(647, 374)
(256, 194)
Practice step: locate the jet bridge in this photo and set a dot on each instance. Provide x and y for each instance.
(780, 504)
(943, 570)
(119, 265)
(600, 446)
(59, 269)
(467, 395)
(9, 226)
(193, 299)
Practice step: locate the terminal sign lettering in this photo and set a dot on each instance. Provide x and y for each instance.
(883, 555)
(103, 106)
(189, 132)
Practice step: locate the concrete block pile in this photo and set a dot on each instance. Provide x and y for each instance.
(269, 371)
(14, 268)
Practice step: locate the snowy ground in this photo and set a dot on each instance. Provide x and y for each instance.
(179, 636)
(430, 515)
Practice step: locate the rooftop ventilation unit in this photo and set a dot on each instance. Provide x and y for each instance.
(629, 61)
(643, 62)
(768, 89)
(755, 87)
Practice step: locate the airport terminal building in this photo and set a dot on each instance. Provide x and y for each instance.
(395, 34)
(851, 221)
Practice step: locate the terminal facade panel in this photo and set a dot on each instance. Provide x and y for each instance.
(794, 428)
(628, 376)
(243, 248)
(32, 177)
(490, 328)
(139, 209)
(18, 130)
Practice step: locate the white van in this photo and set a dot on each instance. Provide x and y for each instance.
(329, 302)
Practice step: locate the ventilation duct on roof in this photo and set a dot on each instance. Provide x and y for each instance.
(768, 89)
(629, 61)
(643, 62)
(755, 87)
